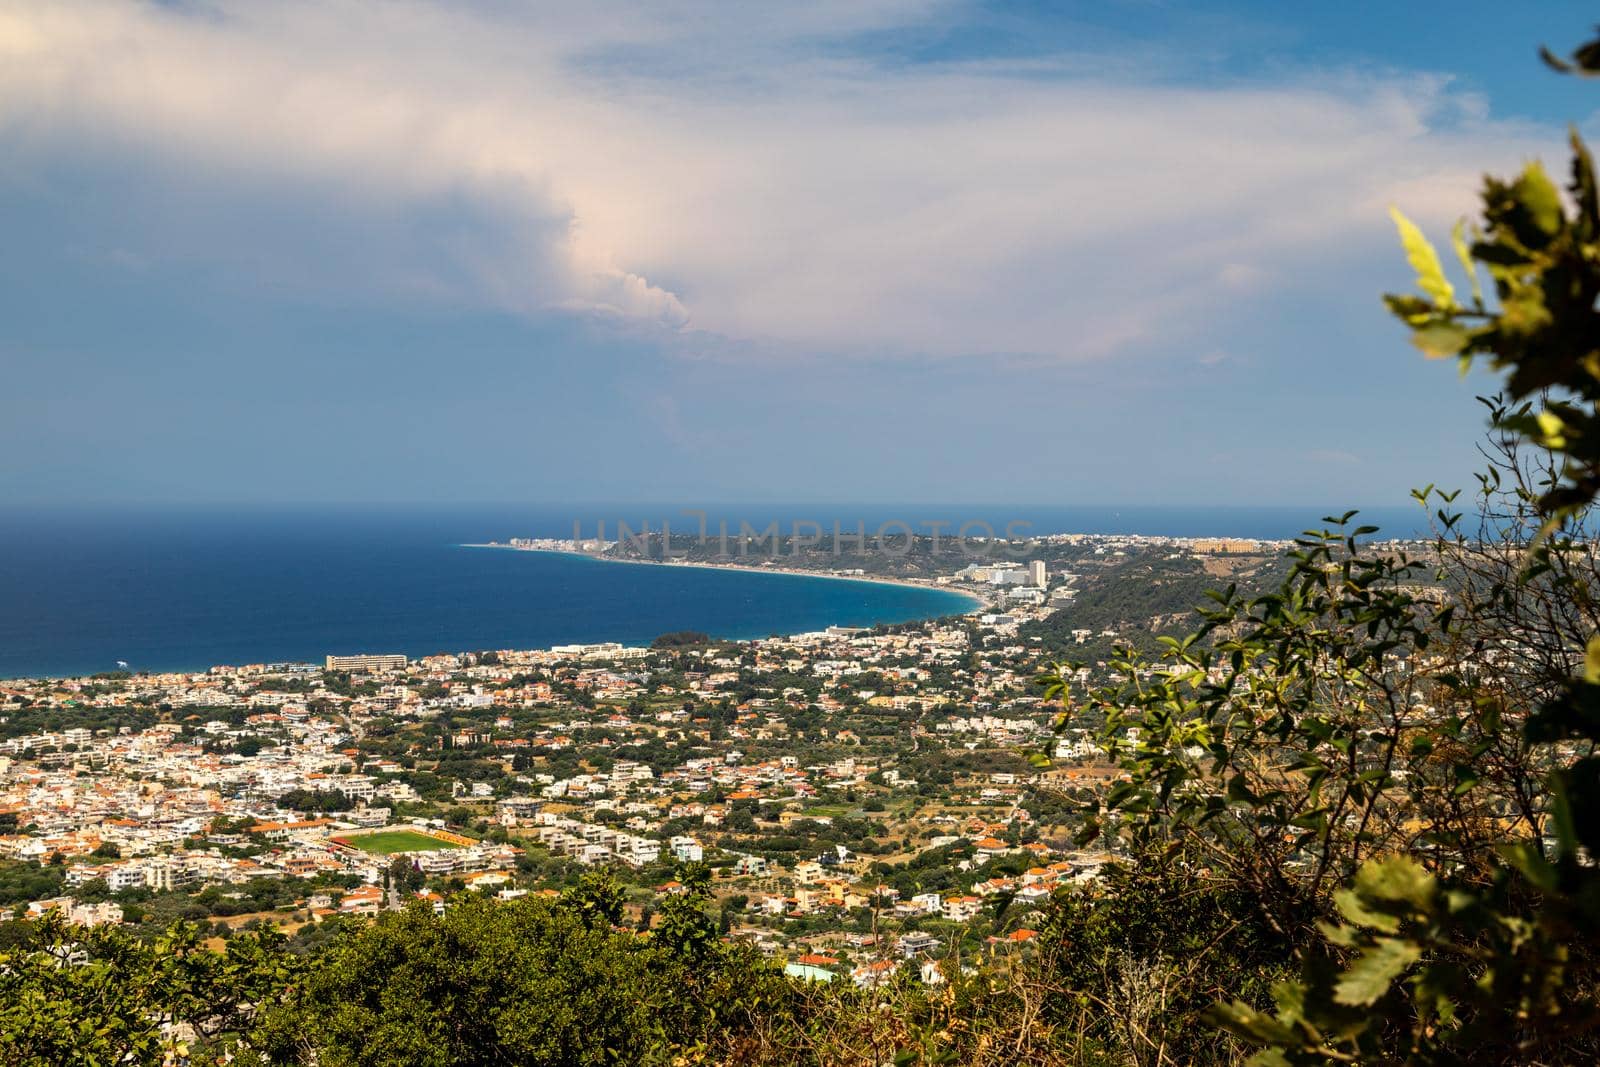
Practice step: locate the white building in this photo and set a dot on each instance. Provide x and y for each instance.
(366, 662)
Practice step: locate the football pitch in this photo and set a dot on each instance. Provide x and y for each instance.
(387, 842)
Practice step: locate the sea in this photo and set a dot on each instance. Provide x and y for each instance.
(162, 589)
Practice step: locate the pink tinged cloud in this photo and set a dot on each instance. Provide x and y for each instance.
(796, 202)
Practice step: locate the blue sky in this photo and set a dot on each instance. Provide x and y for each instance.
(875, 251)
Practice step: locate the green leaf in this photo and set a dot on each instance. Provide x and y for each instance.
(1413, 309)
(1561, 816)
(1239, 792)
(1525, 857)
(1270, 1057)
(1397, 878)
(1368, 978)
(1425, 261)
(1584, 189)
(1553, 429)
(1355, 910)
(1441, 340)
(1554, 62)
(1539, 200)
(1245, 1021)
(1458, 241)
(1591, 660)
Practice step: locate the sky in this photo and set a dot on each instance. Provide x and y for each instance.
(1122, 252)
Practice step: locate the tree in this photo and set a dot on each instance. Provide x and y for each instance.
(597, 899)
(93, 891)
(100, 995)
(404, 876)
(315, 800)
(1442, 745)
(491, 982)
(680, 639)
(687, 929)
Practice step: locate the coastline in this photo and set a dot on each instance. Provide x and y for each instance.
(977, 603)
(973, 605)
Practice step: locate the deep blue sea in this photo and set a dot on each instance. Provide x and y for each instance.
(188, 589)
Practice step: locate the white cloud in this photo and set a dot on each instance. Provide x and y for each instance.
(711, 168)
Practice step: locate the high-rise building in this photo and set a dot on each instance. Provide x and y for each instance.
(1036, 573)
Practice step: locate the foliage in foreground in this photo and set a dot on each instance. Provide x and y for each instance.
(1438, 967)
(1121, 975)
(529, 981)
(1394, 756)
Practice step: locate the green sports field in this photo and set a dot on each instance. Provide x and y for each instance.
(388, 842)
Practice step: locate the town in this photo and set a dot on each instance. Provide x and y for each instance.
(867, 800)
